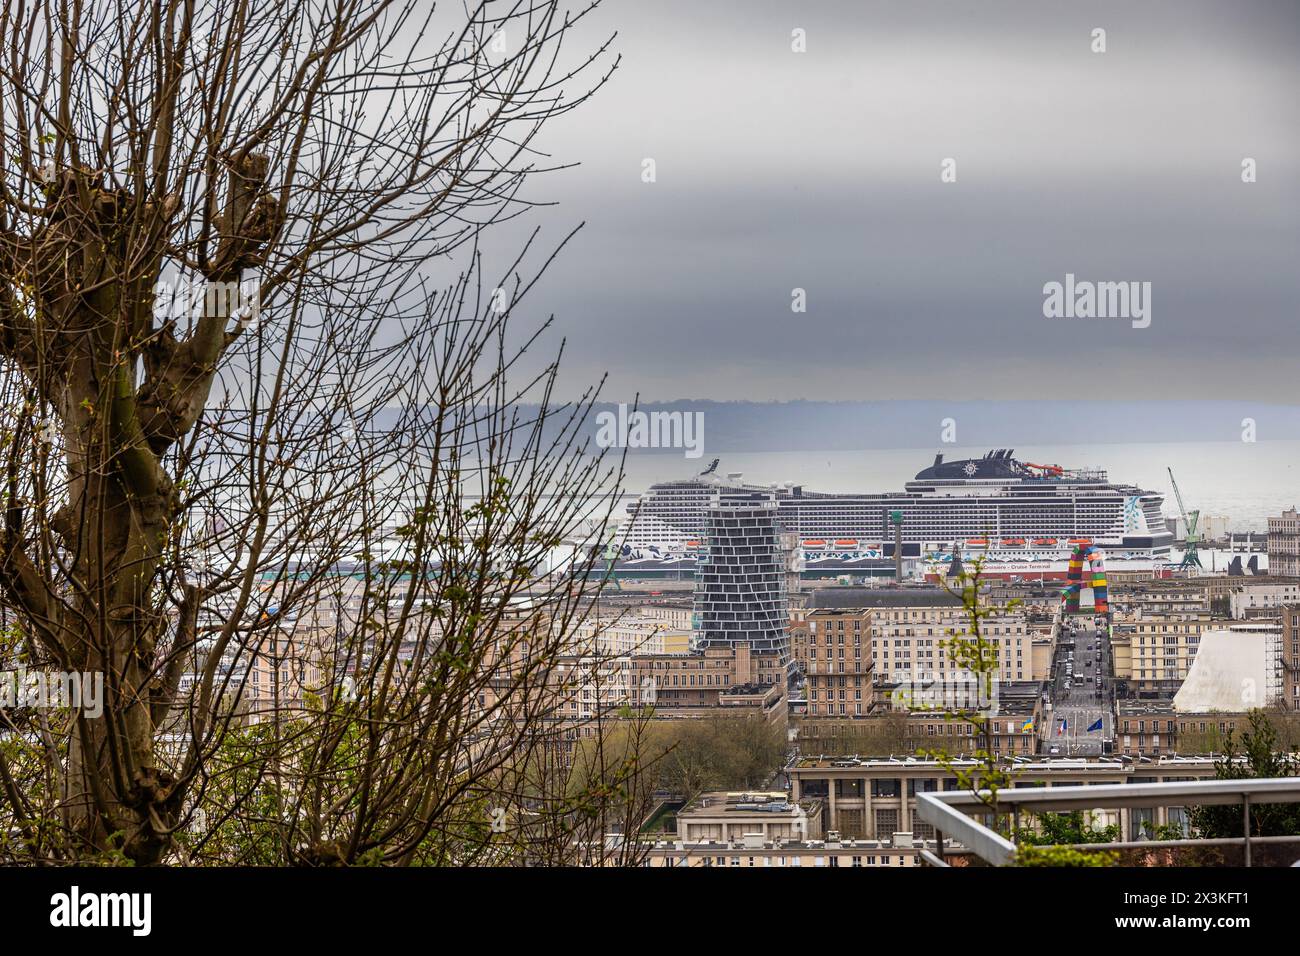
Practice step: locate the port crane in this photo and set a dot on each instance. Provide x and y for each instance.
(1190, 519)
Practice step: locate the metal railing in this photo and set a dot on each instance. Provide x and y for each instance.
(950, 813)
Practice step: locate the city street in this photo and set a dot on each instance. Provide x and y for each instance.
(1081, 691)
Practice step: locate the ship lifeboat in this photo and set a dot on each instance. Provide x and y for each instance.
(846, 542)
(1013, 542)
(1044, 542)
(977, 542)
(1081, 541)
(814, 542)
(692, 544)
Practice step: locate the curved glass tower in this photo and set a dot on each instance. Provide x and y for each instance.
(740, 583)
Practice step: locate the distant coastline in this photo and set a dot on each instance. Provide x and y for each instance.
(920, 423)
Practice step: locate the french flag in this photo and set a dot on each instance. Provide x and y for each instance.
(1060, 731)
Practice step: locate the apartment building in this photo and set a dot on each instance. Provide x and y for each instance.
(285, 668)
(568, 693)
(1159, 646)
(1158, 598)
(733, 817)
(832, 647)
(900, 724)
(677, 617)
(1291, 656)
(909, 627)
(728, 678)
(1218, 587)
(1042, 655)
(629, 634)
(1284, 545)
(1253, 600)
(876, 798)
(844, 651)
(899, 733)
(831, 854)
(908, 643)
(1153, 727)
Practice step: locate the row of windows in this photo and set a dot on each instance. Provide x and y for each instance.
(1183, 726)
(823, 861)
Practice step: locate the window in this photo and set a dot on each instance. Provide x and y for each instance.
(885, 787)
(1178, 818)
(1140, 818)
(886, 824)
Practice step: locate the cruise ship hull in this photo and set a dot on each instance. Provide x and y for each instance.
(822, 565)
(1023, 521)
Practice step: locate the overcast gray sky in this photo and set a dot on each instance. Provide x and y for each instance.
(820, 170)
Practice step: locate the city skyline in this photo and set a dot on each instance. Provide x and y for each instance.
(897, 469)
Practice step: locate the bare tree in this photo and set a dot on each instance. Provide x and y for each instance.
(584, 799)
(249, 340)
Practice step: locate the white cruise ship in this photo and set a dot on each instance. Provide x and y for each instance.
(1024, 519)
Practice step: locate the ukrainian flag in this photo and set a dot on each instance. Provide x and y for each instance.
(1027, 726)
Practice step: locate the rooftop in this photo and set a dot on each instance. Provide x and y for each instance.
(1137, 707)
(1031, 764)
(775, 802)
(904, 844)
(848, 597)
